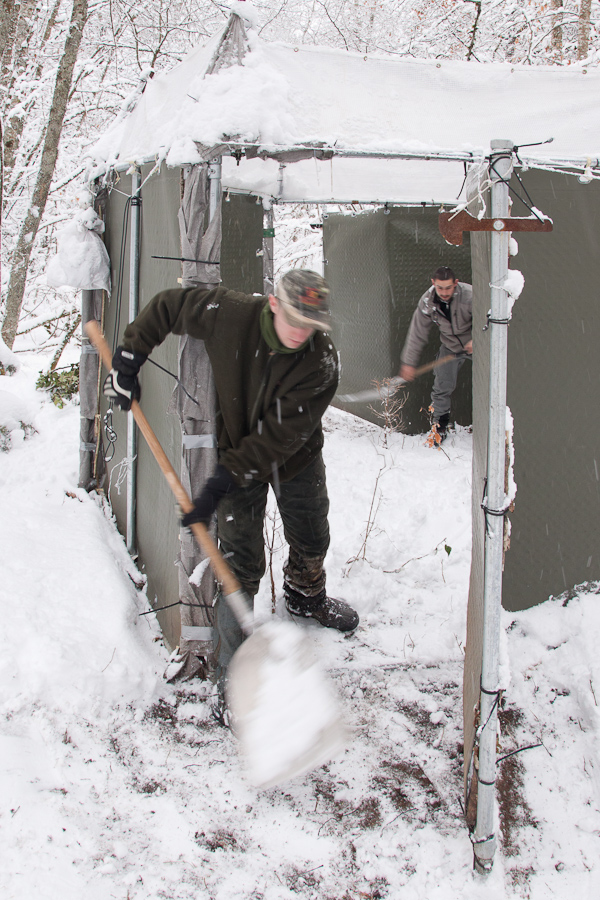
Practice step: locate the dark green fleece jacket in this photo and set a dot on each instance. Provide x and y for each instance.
(269, 404)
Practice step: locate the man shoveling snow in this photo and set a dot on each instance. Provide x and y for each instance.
(275, 371)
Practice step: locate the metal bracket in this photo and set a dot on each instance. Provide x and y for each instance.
(453, 224)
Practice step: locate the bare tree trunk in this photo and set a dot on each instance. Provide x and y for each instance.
(557, 33)
(15, 65)
(583, 40)
(474, 29)
(8, 28)
(29, 228)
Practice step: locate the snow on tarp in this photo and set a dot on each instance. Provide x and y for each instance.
(82, 259)
(348, 180)
(287, 97)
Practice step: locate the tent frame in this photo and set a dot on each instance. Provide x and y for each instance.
(230, 52)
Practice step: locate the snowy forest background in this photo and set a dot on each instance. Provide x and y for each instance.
(67, 68)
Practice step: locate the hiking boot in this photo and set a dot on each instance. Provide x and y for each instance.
(436, 436)
(442, 425)
(325, 610)
(439, 431)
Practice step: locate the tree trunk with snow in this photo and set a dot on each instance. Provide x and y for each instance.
(583, 40)
(471, 48)
(16, 32)
(16, 60)
(29, 228)
(557, 32)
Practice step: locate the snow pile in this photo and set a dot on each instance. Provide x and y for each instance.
(15, 419)
(70, 638)
(8, 359)
(82, 259)
(555, 693)
(117, 784)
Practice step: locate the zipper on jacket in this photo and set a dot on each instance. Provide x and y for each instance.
(451, 319)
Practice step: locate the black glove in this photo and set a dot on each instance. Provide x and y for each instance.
(121, 384)
(218, 486)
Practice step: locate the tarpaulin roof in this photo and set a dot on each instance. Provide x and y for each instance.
(275, 100)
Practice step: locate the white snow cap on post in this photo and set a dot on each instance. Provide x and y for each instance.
(245, 10)
(82, 260)
(513, 284)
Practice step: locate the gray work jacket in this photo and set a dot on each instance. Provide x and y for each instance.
(454, 334)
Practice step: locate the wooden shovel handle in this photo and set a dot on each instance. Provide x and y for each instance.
(427, 367)
(222, 571)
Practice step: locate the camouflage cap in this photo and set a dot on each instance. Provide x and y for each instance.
(304, 298)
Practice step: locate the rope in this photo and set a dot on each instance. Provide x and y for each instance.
(495, 512)
(173, 375)
(482, 840)
(503, 180)
(491, 321)
(208, 262)
(497, 694)
(119, 291)
(466, 171)
(488, 511)
(178, 603)
(111, 434)
(520, 750)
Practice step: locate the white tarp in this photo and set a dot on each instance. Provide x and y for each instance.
(285, 97)
(347, 180)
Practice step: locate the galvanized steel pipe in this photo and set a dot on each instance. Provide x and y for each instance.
(134, 304)
(484, 839)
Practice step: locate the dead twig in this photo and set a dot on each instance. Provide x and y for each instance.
(390, 413)
(425, 555)
(272, 532)
(370, 522)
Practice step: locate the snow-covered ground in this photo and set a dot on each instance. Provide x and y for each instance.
(115, 784)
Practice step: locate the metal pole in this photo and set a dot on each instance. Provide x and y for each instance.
(215, 189)
(134, 303)
(267, 248)
(280, 181)
(484, 838)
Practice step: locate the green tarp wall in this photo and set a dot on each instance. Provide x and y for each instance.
(552, 391)
(553, 381)
(378, 264)
(241, 269)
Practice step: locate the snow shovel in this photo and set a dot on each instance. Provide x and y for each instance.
(389, 386)
(284, 710)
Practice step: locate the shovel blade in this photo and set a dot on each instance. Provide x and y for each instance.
(387, 389)
(285, 713)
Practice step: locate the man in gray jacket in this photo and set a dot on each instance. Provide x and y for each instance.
(449, 304)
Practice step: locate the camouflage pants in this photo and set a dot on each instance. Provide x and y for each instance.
(303, 505)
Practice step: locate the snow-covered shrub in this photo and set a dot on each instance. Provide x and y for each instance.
(62, 384)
